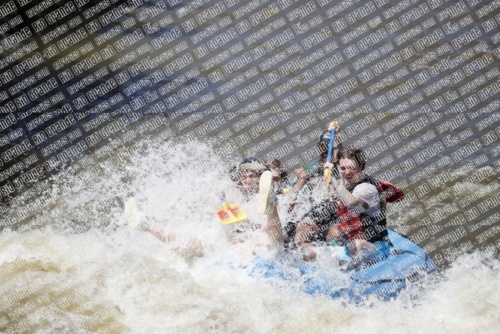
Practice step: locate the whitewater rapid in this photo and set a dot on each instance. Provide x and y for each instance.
(84, 270)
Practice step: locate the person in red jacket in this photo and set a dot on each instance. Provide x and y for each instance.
(361, 206)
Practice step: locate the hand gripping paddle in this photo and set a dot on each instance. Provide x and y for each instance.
(334, 126)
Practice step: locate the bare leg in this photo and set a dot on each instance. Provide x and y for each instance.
(303, 236)
(305, 231)
(333, 234)
(135, 220)
(361, 249)
(161, 234)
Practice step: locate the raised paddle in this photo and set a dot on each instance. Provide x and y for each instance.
(334, 126)
(230, 213)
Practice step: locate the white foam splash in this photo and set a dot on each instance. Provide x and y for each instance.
(111, 277)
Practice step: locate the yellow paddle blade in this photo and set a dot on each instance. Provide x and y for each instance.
(231, 213)
(326, 177)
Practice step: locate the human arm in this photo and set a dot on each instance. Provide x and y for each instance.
(354, 198)
(351, 200)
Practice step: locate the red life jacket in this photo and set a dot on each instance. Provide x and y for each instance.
(360, 225)
(390, 192)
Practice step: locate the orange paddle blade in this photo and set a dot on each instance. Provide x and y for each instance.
(231, 213)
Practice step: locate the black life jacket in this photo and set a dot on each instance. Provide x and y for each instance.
(387, 193)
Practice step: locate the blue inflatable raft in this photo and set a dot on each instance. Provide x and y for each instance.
(407, 262)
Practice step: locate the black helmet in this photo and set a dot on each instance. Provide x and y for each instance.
(324, 138)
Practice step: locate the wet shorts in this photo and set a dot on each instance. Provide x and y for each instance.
(324, 215)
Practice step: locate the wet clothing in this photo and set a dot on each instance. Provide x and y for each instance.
(368, 193)
(323, 216)
(354, 223)
(314, 168)
(323, 213)
(369, 224)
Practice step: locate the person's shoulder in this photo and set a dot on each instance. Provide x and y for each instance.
(367, 192)
(365, 187)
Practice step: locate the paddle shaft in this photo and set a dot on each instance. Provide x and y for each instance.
(329, 158)
(330, 146)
